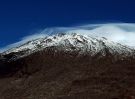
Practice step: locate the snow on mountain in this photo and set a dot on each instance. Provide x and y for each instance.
(72, 42)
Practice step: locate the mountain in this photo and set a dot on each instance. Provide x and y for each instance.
(68, 65)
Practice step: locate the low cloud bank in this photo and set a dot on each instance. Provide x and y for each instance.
(117, 32)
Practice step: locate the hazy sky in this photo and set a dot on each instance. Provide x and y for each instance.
(19, 18)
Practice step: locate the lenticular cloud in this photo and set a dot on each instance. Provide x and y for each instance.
(117, 32)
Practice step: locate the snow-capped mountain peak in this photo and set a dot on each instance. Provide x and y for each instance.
(72, 42)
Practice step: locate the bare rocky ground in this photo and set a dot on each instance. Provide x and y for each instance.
(66, 75)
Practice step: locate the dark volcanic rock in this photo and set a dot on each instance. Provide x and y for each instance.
(53, 74)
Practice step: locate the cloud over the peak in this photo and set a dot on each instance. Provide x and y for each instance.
(118, 32)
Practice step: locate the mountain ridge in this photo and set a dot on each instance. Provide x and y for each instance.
(72, 42)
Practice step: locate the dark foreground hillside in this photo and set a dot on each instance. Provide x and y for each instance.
(66, 75)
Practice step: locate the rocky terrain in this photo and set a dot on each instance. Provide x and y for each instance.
(68, 66)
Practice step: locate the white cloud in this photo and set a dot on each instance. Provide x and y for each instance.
(118, 32)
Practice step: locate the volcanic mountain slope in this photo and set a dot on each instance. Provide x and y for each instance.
(68, 66)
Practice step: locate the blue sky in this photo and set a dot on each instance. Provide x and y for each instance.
(19, 18)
